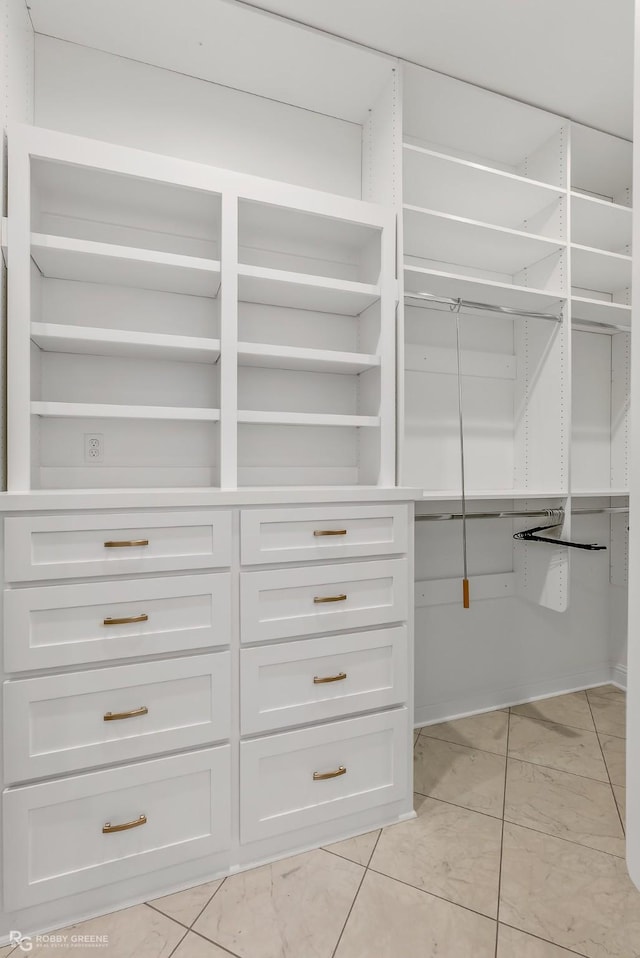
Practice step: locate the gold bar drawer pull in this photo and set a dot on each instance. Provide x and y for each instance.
(319, 599)
(330, 532)
(126, 620)
(125, 543)
(132, 713)
(109, 829)
(323, 776)
(329, 678)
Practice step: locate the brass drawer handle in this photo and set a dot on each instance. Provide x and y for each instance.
(109, 829)
(330, 532)
(133, 713)
(126, 620)
(329, 678)
(125, 543)
(319, 599)
(322, 776)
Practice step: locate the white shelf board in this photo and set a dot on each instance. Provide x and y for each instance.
(600, 224)
(598, 493)
(63, 258)
(599, 270)
(258, 284)
(448, 495)
(599, 311)
(465, 188)
(123, 342)
(417, 279)
(466, 242)
(266, 417)
(109, 411)
(314, 360)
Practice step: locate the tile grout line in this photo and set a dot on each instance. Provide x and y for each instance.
(355, 897)
(504, 805)
(208, 903)
(433, 894)
(212, 942)
(181, 940)
(547, 941)
(604, 759)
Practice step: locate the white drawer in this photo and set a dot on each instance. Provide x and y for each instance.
(63, 547)
(330, 598)
(64, 723)
(63, 625)
(278, 788)
(54, 844)
(319, 679)
(322, 532)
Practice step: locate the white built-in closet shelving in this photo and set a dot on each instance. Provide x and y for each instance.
(157, 290)
(507, 205)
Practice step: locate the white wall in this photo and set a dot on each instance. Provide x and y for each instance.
(84, 91)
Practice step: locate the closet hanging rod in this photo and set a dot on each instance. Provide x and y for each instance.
(595, 324)
(521, 514)
(470, 304)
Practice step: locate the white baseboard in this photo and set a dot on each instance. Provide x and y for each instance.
(619, 676)
(490, 699)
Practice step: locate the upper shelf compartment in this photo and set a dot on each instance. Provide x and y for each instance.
(85, 203)
(453, 117)
(601, 165)
(450, 184)
(309, 243)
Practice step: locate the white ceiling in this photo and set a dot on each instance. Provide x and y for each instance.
(573, 57)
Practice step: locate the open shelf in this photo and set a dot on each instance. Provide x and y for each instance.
(454, 495)
(429, 235)
(595, 269)
(456, 285)
(122, 342)
(113, 411)
(259, 284)
(77, 259)
(314, 360)
(454, 185)
(598, 493)
(599, 223)
(304, 418)
(601, 164)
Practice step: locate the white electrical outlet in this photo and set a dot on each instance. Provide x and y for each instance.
(93, 447)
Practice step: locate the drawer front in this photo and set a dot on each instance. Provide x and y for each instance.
(184, 798)
(280, 790)
(64, 723)
(319, 679)
(63, 547)
(65, 625)
(323, 532)
(286, 602)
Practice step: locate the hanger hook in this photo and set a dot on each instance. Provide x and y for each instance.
(456, 307)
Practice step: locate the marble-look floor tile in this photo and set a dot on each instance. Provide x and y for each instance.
(193, 946)
(460, 775)
(358, 849)
(615, 750)
(621, 800)
(487, 731)
(392, 920)
(515, 944)
(573, 896)
(567, 806)
(5, 952)
(289, 909)
(571, 709)
(608, 705)
(185, 906)
(137, 932)
(449, 851)
(556, 746)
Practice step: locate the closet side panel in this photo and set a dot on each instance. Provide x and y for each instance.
(99, 95)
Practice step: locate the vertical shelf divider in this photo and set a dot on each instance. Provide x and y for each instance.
(228, 432)
(19, 333)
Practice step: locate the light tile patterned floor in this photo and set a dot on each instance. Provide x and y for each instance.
(517, 851)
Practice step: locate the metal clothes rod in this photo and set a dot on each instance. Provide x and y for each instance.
(595, 324)
(529, 514)
(470, 304)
